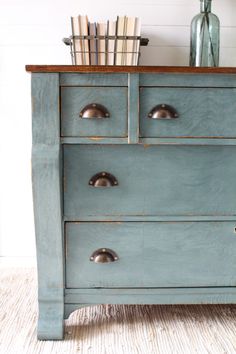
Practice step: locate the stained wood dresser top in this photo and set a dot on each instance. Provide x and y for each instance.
(128, 69)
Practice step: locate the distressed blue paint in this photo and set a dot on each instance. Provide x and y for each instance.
(133, 117)
(156, 255)
(176, 296)
(172, 217)
(162, 296)
(46, 167)
(154, 180)
(188, 80)
(93, 79)
(203, 112)
(74, 99)
(148, 218)
(148, 141)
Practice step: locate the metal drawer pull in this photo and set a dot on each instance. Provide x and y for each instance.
(163, 111)
(94, 110)
(103, 179)
(104, 255)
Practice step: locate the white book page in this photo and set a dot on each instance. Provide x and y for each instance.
(85, 44)
(111, 31)
(130, 31)
(93, 44)
(76, 42)
(101, 31)
(120, 42)
(136, 47)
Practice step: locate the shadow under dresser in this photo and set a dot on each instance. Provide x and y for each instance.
(134, 186)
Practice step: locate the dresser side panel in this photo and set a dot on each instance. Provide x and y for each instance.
(46, 178)
(45, 109)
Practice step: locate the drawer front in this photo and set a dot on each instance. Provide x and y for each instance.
(154, 180)
(202, 112)
(74, 100)
(152, 254)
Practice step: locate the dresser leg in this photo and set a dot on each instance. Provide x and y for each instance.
(49, 240)
(50, 322)
(47, 191)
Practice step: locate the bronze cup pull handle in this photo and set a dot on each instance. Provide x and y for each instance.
(103, 179)
(94, 111)
(104, 255)
(163, 111)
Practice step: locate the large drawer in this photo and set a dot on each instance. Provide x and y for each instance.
(154, 180)
(152, 254)
(112, 121)
(202, 112)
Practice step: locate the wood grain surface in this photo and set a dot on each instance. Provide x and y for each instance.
(202, 112)
(127, 69)
(46, 183)
(116, 329)
(75, 99)
(153, 180)
(151, 255)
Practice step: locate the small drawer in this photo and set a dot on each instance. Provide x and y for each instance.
(187, 112)
(154, 180)
(152, 254)
(94, 111)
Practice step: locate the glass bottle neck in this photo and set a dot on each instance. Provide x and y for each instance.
(205, 5)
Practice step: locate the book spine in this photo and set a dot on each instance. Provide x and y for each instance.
(120, 42)
(108, 44)
(130, 31)
(83, 22)
(81, 41)
(77, 50)
(124, 45)
(111, 31)
(136, 47)
(101, 31)
(93, 44)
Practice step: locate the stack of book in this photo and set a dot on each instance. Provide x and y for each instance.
(112, 43)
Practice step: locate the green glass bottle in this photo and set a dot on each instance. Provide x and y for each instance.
(205, 37)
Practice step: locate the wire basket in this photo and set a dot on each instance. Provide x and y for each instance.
(95, 50)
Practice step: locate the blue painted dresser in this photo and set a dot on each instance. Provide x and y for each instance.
(134, 185)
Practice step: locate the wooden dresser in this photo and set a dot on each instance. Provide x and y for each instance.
(134, 185)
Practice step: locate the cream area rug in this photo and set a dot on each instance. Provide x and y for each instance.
(112, 329)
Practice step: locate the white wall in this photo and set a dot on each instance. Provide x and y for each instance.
(31, 33)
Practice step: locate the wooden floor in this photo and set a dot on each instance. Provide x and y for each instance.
(110, 329)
